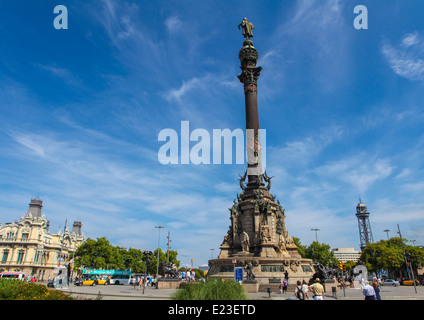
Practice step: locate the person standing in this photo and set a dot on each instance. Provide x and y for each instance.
(298, 291)
(285, 284)
(305, 289)
(376, 290)
(140, 283)
(317, 290)
(367, 290)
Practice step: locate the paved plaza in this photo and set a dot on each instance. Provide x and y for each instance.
(125, 292)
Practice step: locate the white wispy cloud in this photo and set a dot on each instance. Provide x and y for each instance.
(26, 141)
(316, 34)
(183, 89)
(94, 183)
(303, 150)
(406, 59)
(410, 39)
(62, 73)
(361, 174)
(173, 24)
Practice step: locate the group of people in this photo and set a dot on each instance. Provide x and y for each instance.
(139, 282)
(302, 290)
(28, 279)
(316, 289)
(371, 290)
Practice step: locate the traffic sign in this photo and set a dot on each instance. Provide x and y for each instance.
(238, 274)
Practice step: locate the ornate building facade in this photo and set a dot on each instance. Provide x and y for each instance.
(28, 246)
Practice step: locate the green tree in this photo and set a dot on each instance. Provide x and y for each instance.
(300, 248)
(162, 257)
(320, 253)
(132, 259)
(98, 254)
(388, 255)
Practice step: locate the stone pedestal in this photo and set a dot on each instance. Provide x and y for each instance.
(258, 236)
(329, 285)
(168, 283)
(251, 286)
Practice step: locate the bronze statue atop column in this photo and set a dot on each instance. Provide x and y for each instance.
(247, 27)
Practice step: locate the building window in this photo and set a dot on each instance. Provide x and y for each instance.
(5, 254)
(25, 236)
(37, 257)
(20, 256)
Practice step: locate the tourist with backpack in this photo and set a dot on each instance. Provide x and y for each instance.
(298, 291)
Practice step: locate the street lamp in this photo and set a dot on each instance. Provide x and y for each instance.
(316, 233)
(409, 270)
(212, 252)
(146, 258)
(387, 232)
(157, 267)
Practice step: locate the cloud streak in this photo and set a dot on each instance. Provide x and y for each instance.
(406, 59)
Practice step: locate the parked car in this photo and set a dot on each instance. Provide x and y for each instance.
(390, 282)
(85, 282)
(91, 282)
(410, 283)
(102, 281)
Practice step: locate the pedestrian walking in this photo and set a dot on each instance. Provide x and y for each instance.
(376, 290)
(317, 290)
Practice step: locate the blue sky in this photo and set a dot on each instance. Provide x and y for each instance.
(81, 110)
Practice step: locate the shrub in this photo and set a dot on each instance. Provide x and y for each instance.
(21, 290)
(211, 290)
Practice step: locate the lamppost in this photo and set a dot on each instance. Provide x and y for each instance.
(387, 232)
(157, 267)
(212, 252)
(316, 233)
(408, 267)
(146, 258)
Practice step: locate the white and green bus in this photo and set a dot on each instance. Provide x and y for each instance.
(116, 276)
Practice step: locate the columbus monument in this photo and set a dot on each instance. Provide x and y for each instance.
(257, 239)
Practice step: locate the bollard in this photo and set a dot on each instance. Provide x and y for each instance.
(334, 291)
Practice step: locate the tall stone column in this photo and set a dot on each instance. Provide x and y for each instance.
(248, 56)
(257, 238)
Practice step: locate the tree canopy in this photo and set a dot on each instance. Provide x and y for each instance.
(101, 254)
(318, 252)
(388, 255)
